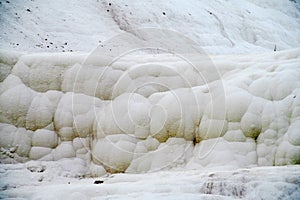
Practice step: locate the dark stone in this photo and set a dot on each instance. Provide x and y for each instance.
(98, 182)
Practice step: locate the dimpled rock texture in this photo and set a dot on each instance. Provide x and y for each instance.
(135, 116)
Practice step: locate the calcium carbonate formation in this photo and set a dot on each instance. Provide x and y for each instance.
(151, 112)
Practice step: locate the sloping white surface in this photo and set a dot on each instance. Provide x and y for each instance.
(220, 27)
(46, 180)
(74, 115)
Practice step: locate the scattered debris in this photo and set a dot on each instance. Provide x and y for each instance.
(36, 168)
(8, 152)
(194, 141)
(41, 179)
(98, 182)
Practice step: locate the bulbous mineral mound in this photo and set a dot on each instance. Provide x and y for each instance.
(148, 112)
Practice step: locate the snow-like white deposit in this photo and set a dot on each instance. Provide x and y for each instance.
(149, 112)
(62, 180)
(158, 97)
(220, 27)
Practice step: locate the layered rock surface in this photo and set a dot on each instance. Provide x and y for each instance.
(144, 113)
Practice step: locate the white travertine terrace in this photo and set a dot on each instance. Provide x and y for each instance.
(149, 112)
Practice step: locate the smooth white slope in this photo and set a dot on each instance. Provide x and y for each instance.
(220, 27)
(48, 180)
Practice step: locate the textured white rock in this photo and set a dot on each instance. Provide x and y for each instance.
(115, 152)
(16, 140)
(39, 152)
(237, 118)
(128, 114)
(97, 170)
(7, 60)
(42, 109)
(15, 103)
(44, 138)
(174, 153)
(44, 72)
(219, 152)
(75, 115)
(63, 150)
